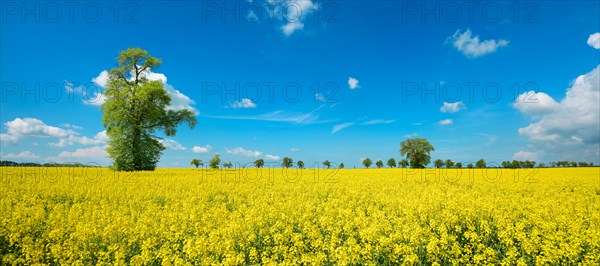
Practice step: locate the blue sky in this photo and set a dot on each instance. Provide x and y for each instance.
(385, 71)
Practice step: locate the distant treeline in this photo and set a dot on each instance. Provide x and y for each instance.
(30, 164)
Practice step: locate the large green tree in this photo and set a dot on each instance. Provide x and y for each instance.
(135, 109)
(417, 152)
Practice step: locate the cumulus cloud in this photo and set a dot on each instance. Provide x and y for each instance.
(20, 128)
(471, 46)
(96, 153)
(446, 122)
(21, 155)
(571, 128)
(452, 107)
(272, 157)
(353, 83)
(243, 152)
(244, 103)
(339, 127)
(171, 144)
(594, 40)
(295, 14)
(525, 155)
(535, 104)
(200, 149)
(101, 79)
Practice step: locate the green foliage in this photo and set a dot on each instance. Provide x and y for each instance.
(458, 165)
(287, 162)
(391, 162)
(438, 163)
(341, 166)
(196, 162)
(215, 161)
(470, 165)
(480, 164)
(449, 163)
(379, 164)
(327, 164)
(367, 162)
(227, 165)
(417, 152)
(403, 163)
(259, 163)
(300, 164)
(135, 109)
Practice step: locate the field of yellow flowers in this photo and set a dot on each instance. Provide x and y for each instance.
(80, 216)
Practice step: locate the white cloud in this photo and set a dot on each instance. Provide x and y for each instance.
(452, 107)
(295, 14)
(471, 46)
(98, 99)
(101, 79)
(200, 149)
(171, 144)
(294, 149)
(525, 155)
(573, 125)
(378, 121)
(179, 101)
(594, 40)
(446, 122)
(411, 135)
(244, 103)
(101, 136)
(353, 83)
(243, 152)
(71, 126)
(272, 157)
(87, 153)
(535, 104)
(34, 128)
(339, 127)
(21, 155)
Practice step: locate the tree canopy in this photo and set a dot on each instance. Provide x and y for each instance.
(135, 109)
(417, 152)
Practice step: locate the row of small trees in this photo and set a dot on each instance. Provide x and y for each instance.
(417, 153)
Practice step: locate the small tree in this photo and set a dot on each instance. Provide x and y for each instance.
(287, 162)
(259, 163)
(227, 165)
(197, 163)
(391, 162)
(215, 161)
(480, 164)
(417, 152)
(300, 164)
(470, 165)
(367, 162)
(438, 163)
(403, 163)
(458, 165)
(449, 163)
(341, 166)
(379, 164)
(327, 164)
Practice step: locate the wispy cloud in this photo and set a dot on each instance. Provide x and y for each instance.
(341, 126)
(378, 121)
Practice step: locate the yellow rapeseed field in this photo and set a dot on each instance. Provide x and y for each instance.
(78, 216)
